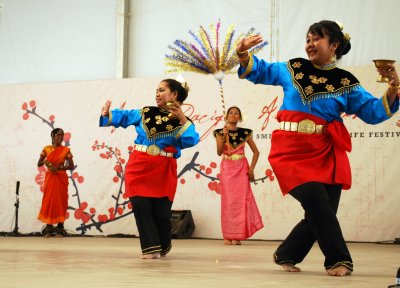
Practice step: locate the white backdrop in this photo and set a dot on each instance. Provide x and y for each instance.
(367, 212)
(57, 40)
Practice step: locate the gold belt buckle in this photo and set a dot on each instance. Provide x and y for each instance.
(153, 150)
(306, 126)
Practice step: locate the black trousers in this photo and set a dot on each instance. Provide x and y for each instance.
(153, 220)
(320, 203)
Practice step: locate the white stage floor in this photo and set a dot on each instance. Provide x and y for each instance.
(114, 262)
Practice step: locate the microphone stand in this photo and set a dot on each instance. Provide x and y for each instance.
(15, 231)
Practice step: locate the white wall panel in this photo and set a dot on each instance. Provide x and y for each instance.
(57, 40)
(156, 24)
(372, 25)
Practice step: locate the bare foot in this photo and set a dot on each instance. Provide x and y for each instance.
(339, 271)
(151, 256)
(236, 242)
(290, 267)
(227, 242)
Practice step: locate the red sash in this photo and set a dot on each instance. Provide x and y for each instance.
(298, 158)
(151, 176)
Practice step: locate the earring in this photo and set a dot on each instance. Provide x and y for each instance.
(333, 58)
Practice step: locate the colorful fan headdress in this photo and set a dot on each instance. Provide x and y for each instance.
(206, 56)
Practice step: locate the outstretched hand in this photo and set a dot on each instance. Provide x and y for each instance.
(105, 111)
(248, 42)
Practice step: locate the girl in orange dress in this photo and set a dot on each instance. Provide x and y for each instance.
(57, 159)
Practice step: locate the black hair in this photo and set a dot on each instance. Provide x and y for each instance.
(176, 86)
(334, 32)
(54, 132)
(235, 107)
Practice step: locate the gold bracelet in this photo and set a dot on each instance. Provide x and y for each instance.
(241, 52)
(391, 91)
(244, 58)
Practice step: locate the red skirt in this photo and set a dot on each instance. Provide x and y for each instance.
(151, 176)
(298, 158)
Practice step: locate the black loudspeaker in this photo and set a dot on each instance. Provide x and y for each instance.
(182, 225)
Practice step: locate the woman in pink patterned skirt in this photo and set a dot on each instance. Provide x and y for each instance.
(240, 217)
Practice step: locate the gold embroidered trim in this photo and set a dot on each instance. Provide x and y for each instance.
(346, 264)
(232, 136)
(165, 251)
(296, 64)
(249, 67)
(157, 125)
(154, 250)
(308, 84)
(299, 76)
(316, 80)
(109, 118)
(236, 138)
(183, 129)
(386, 105)
(158, 248)
(326, 67)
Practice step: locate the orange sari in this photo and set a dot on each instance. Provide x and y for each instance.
(55, 195)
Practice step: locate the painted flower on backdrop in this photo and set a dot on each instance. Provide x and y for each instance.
(40, 177)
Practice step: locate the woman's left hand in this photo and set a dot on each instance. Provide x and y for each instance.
(248, 42)
(49, 166)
